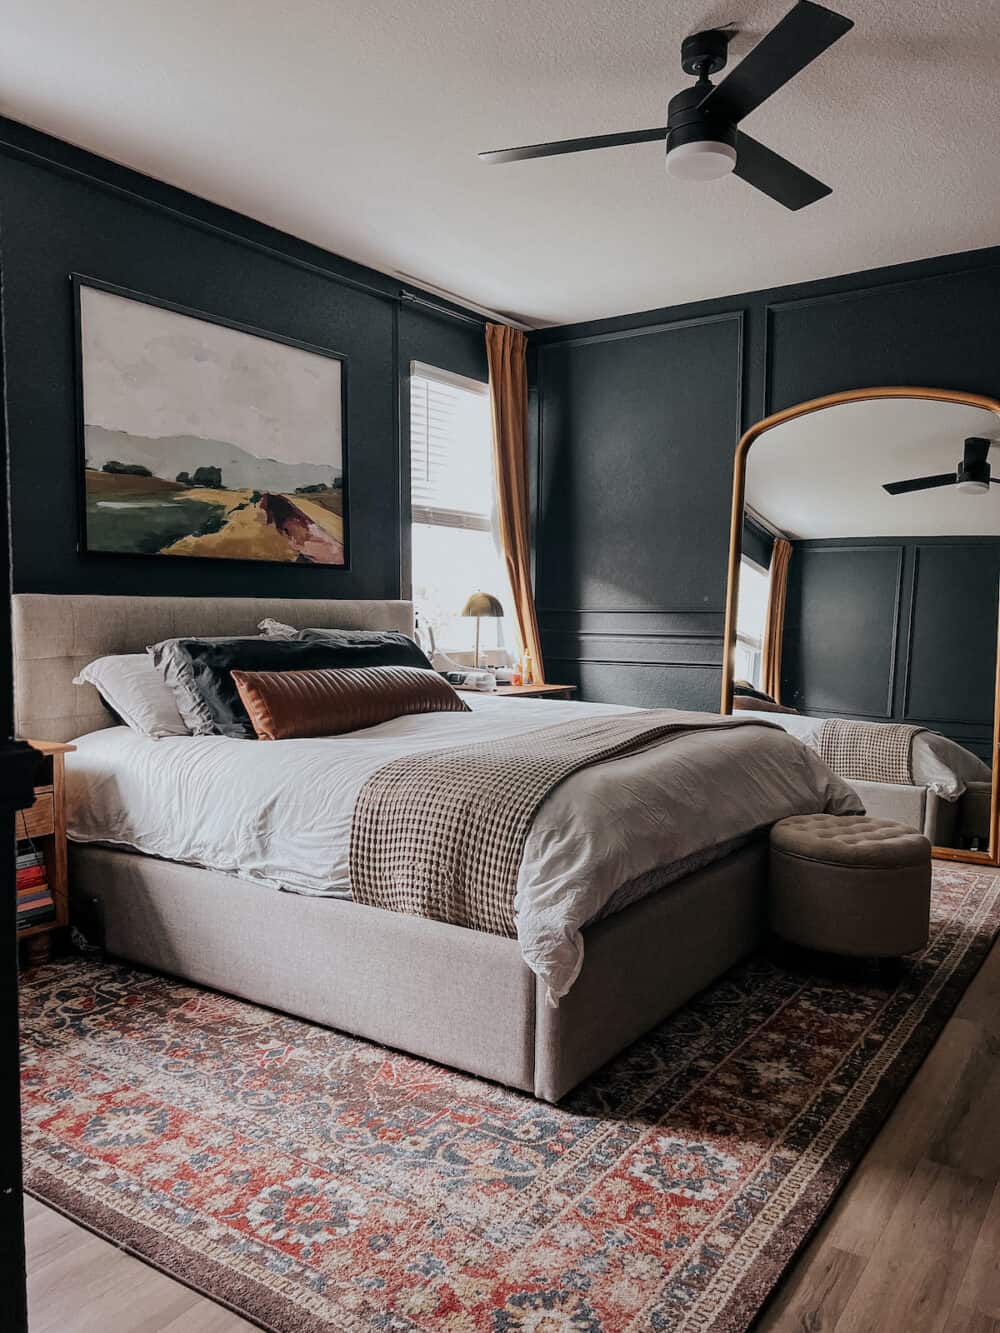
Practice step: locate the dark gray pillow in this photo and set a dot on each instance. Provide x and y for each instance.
(387, 638)
(174, 664)
(205, 667)
(415, 656)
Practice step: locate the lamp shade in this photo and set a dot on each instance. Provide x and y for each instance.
(482, 604)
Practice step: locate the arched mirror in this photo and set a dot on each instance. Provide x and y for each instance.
(862, 608)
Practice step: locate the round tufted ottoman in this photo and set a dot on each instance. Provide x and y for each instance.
(849, 884)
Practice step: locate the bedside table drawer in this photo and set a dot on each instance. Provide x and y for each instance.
(38, 820)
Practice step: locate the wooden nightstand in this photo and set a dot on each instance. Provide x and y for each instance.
(45, 824)
(536, 691)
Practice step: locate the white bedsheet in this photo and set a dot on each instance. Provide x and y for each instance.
(940, 764)
(280, 811)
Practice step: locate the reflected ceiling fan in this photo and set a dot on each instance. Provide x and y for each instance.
(971, 476)
(702, 139)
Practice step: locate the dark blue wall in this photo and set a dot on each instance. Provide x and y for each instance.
(895, 629)
(66, 211)
(636, 424)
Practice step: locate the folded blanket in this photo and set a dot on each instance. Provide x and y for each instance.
(441, 834)
(868, 751)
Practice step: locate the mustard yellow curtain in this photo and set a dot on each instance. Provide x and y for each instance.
(774, 627)
(505, 352)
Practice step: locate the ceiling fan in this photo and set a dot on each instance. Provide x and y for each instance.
(972, 474)
(702, 139)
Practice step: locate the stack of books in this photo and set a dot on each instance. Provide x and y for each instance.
(34, 901)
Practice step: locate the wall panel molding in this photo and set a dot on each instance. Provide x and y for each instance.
(619, 335)
(637, 662)
(969, 676)
(650, 650)
(656, 622)
(641, 330)
(949, 639)
(796, 690)
(882, 290)
(641, 684)
(681, 636)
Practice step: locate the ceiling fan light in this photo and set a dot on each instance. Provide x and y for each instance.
(973, 487)
(701, 160)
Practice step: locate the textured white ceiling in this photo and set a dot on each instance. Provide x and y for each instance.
(822, 475)
(355, 124)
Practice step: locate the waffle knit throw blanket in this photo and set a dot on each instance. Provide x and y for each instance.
(868, 751)
(441, 835)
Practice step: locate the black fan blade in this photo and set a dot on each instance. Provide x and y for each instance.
(803, 34)
(775, 175)
(920, 483)
(573, 145)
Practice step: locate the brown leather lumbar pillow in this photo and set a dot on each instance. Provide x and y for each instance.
(332, 700)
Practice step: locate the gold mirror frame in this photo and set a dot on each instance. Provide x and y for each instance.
(992, 857)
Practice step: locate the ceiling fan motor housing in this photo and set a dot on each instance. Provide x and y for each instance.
(687, 123)
(974, 470)
(702, 54)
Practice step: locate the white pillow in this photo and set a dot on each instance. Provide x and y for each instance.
(132, 687)
(277, 629)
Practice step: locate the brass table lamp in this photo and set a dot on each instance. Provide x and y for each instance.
(482, 604)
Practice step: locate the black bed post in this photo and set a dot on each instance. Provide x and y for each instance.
(17, 767)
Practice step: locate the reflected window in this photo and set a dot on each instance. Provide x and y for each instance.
(750, 621)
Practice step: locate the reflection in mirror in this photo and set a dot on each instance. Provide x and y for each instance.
(867, 606)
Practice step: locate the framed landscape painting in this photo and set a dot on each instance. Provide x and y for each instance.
(204, 438)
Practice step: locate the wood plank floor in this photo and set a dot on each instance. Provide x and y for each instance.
(78, 1283)
(912, 1245)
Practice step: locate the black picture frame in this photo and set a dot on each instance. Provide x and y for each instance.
(78, 282)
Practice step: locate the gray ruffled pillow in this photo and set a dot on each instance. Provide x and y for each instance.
(173, 661)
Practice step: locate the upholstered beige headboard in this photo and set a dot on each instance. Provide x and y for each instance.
(55, 636)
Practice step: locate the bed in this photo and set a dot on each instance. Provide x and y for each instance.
(287, 937)
(948, 800)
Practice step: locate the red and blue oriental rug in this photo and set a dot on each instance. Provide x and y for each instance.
(315, 1182)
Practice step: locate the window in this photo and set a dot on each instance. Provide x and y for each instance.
(452, 492)
(751, 617)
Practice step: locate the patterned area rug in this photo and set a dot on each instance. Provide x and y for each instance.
(314, 1182)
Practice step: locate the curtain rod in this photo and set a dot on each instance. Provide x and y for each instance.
(468, 311)
(411, 298)
(762, 522)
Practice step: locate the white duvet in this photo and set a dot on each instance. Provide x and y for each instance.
(280, 811)
(940, 764)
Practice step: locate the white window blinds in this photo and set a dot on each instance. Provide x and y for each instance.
(451, 461)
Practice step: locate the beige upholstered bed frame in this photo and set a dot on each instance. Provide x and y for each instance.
(56, 636)
(438, 991)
